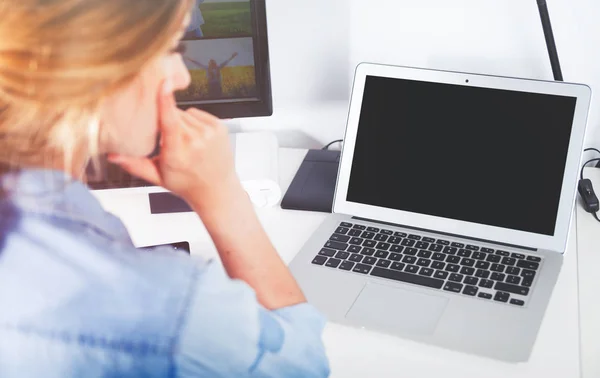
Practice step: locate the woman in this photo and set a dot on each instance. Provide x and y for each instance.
(80, 78)
(214, 75)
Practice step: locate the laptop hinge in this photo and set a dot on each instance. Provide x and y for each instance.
(446, 234)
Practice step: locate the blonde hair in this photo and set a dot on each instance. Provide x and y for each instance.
(60, 59)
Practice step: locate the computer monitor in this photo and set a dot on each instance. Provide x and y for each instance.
(227, 53)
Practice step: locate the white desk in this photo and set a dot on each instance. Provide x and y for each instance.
(359, 353)
(588, 246)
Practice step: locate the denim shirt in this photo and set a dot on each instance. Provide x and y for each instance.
(77, 299)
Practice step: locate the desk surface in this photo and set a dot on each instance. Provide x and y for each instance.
(359, 353)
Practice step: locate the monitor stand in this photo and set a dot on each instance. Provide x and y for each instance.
(313, 187)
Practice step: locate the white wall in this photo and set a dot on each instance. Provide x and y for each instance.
(315, 45)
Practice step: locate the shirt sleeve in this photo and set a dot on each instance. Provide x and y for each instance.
(225, 332)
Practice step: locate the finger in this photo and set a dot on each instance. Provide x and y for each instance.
(194, 127)
(169, 118)
(144, 168)
(203, 116)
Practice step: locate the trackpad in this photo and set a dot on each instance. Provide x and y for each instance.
(397, 310)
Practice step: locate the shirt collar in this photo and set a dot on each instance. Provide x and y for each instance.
(55, 193)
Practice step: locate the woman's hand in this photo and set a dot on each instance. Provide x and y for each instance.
(195, 160)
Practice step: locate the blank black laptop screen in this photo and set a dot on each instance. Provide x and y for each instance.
(487, 156)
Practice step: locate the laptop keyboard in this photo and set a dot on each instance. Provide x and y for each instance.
(466, 269)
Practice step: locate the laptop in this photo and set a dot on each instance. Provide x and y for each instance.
(452, 208)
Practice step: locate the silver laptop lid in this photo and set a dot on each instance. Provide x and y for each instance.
(486, 157)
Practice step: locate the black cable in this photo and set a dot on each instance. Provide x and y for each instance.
(332, 143)
(588, 162)
(596, 216)
(592, 149)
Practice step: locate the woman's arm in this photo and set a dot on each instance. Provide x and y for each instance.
(225, 63)
(195, 62)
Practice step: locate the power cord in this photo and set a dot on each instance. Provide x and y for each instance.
(586, 189)
(593, 149)
(341, 140)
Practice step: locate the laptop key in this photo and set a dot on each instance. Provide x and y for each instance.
(398, 266)
(369, 243)
(485, 295)
(422, 245)
(513, 280)
(319, 260)
(327, 252)
(426, 272)
(409, 278)
(368, 251)
(502, 297)
(464, 253)
(355, 232)
(486, 284)
(438, 256)
(458, 245)
(425, 254)
(342, 255)
(473, 247)
(511, 288)
(356, 241)
(470, 290)
(384, 246)
(534, 258)
(482, 273)
(482, 265)
(509, 261)
(387, 232)
(346, 224)
(502, 253)
(346, 265)
(394, 240)
(456, 277)
(359, 227)
(497, 268)
(527, 282)
(333, 263)
(441, 274)
(336, 245)
(409, 259)
(362, 268)
(471, 281)
(369, 260)
(528, 273)
(395, 257)
(408, 242)
(498, 276)
(467, 262)
(400, 234)
(342, 230)
(354, 249)
(436, 248)
(443, 242)
(423, 262)
(453, 259)
(487, 250)
(414, 237)
(412, 269)
(528, 264)
(517, 302)
(339, 238)
(367, 235)
(381, 237)
(518, 256)
(411, 251)
(384, 263)
(438, 265)
(396, 248)
(450, 250)
(493, 258)
(372, 229)
(453, 287)
(513, 271)
(479, 255)
(429, 240)
(468, 271)
(381, 254)
(356, 258)
(453, 268)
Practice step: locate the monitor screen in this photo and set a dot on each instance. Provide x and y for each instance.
(480, 155)
(227, 56)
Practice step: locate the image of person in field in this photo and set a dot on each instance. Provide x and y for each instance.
(213, 74)
(196, 22)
